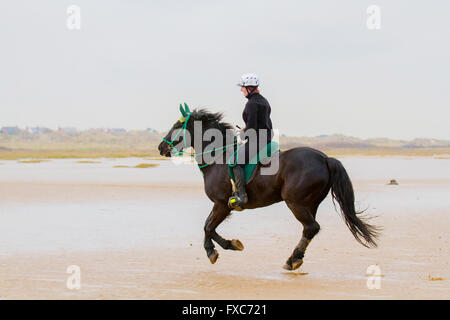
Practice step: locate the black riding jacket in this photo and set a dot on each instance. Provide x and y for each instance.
(256, 115)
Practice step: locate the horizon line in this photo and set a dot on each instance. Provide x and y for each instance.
(152, 130)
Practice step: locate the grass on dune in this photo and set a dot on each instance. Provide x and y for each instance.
(158, 158)
(141, 165)
(146, 165)
(32, 161)
(17, 154)
(153, 154)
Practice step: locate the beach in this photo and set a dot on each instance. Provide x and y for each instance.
(137, 233)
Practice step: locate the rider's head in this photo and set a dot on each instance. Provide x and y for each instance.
(249, 83)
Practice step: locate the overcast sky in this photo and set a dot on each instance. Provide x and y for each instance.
(322, 70)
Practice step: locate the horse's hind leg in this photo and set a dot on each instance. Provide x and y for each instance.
(306, 215)
(217, 215)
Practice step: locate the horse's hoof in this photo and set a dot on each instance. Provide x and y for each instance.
(293, 265)
(288, 264)
(287, 267)
(237, 245)
(296, 264)
(213, 256)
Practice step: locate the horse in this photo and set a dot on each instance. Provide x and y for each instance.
(304, 178)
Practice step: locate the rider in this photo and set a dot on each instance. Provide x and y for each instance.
(256, 116)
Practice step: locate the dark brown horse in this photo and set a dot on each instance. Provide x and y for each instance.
(303, 180)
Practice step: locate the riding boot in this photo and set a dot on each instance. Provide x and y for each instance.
(240, 197)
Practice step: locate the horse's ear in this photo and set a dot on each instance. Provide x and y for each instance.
(186, 108)
(182, 111)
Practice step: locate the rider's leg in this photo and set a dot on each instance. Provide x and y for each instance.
(240, 198)
(239, 179)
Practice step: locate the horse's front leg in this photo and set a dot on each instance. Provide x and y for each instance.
(217, 215)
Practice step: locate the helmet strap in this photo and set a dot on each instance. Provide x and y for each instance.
(250, 90)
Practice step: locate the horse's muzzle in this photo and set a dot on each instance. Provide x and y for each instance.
(164, 149)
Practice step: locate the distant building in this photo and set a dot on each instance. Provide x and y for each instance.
(39, 130)
(98, 130)
(108, 130)
(10, 130)
(68, 129)
(151, 130)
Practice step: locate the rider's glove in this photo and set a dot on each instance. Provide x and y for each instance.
(239, 133)
(240, 140)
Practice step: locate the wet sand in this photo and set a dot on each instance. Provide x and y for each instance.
(137, 234)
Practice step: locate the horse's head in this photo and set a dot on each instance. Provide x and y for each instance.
(182, 133)
(176, 135)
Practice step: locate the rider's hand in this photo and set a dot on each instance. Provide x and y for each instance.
(239, 132)
(239, 139)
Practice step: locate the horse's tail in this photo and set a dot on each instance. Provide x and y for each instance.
(342, 192)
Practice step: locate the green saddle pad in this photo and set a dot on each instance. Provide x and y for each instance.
(271, 148)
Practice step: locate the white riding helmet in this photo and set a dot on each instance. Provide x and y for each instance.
(249, 80)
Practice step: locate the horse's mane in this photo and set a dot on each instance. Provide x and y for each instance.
(211, 119)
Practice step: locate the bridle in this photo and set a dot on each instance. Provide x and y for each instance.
(194, 155)
(183, 128)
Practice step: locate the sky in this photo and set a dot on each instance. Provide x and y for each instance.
(322, 69)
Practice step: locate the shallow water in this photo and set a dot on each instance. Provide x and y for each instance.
(68, 170)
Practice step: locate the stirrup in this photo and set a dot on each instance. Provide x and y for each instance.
(235, 202)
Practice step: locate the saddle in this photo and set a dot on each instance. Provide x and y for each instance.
(252, 168)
